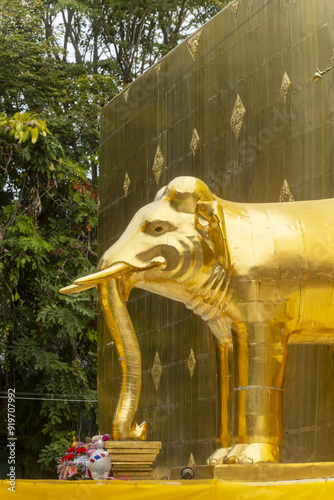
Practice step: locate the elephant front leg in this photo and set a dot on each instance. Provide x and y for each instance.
(224, 360)
(261, 353)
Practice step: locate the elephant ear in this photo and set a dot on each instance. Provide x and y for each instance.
(191, 195)
(209, 220)
(185, 192)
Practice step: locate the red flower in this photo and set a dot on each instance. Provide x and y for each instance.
(71, 449)
(69, 457)
(81, 450)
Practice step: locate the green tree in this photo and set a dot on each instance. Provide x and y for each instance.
(125, 37)
(47, 235)
(35, 77)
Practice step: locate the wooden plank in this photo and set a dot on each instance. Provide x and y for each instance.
(132, 458)
(131, 473)
(133, 444)
(130, 470)
(136, 451)
(119, 465)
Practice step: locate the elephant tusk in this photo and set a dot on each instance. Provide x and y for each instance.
(75, 288)
(112, 272)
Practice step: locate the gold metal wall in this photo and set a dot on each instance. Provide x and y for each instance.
(236, 106)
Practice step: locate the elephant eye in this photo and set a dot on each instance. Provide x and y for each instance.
(155, 228)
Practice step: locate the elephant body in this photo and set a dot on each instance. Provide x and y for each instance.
(258, 274)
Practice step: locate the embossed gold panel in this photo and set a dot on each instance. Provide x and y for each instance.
(283, 149)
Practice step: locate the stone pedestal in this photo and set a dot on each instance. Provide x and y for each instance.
(132, 458)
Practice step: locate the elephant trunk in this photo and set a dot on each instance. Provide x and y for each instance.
(120, 326)
(121, 329)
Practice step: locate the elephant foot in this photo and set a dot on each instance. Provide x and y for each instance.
(217, 457)
(138, 432)
(254, 453)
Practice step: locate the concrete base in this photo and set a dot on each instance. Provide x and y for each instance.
(261, 472)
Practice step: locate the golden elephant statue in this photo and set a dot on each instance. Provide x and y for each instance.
(261, 274)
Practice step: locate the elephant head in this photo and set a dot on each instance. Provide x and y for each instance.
(175, 247)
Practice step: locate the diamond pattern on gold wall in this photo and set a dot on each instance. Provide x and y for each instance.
(194, 142)
(191, 462)
(191, 363)
(193, 44)
(157, 68)
(126, 184)
(235, 7)
(156, 371)
(285, 85)
(238, 115)
(126, 94)
(158, 164)
(285, 193)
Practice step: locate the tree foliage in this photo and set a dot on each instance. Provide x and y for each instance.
(34, 76)
(125, 37)
(47, 236)
(61, 61)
